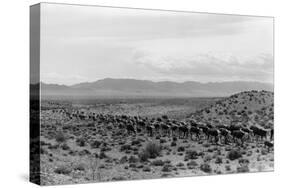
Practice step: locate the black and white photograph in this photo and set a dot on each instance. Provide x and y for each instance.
(129, 94)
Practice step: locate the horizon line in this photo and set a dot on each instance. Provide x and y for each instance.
(181, 82)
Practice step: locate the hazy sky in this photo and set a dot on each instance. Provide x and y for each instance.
(84, 43)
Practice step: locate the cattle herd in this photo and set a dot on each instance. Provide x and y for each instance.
(235, 133)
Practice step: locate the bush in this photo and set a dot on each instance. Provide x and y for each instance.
(153, 150)
(227, 168)
(218, 160)
(81, 142)
(133, 159)
(173, 143)
(190, 154)
(65, 147)
(192, 164)
(234, 154)
(243, 169)
(181, 149)
(205, 167)
(125, 148)
(135, 142)
(80, 167)
(157, 163)
(143, 156)
(63, 170)
(180, 164)
(95, 144)
(167, 168)
(146, 169)
(123, 160)
(60, 137)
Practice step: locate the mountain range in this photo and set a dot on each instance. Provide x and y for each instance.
(143, 88)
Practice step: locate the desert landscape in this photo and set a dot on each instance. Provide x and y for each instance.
(131, 94)
(127, 139)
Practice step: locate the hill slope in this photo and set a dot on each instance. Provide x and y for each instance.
(249, 108)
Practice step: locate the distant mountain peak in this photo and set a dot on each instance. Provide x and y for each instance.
(134, 87)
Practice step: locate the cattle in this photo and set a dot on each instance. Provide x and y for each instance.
(194, 131)
(150, 130)
(259, 133)
(174, 128)
(183, 131)
(213, 134)
(225, 133)
(204, 130)
(238, 135)
(165, 129)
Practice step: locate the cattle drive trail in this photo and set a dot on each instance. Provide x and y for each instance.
(95, 141)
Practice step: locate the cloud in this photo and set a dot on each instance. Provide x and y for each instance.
(210, 66)
(54, 77)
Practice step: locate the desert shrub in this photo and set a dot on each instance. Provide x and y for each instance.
(207, 158)
(146, 169)
(180, 164)
(167, 168)
(60, 137)
(140, 166)
(65, 146)
(133, 165)
(80, 167)
(173, 143)
(102, 155)
(181, 149)
(125, 147)
(153, 150)
(192, 164)
(135, 142)
(175, 139)
(95, 144)
(133, 159)
(264, 151)
(218, 160)
(162, 141)
(118, 178)
(63, 170)
(80, 142)
(84, 152)
(227, 168)
(123, 160)
(143, 156)
(190, 154)
(205, 167)
(157, 163)
(234, 154)
(242, 169)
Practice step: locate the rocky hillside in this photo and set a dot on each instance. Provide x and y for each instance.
(249, 108)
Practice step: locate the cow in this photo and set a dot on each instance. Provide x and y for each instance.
(225, 133)
(259, 132)
(150, 130)
(183, 131)
(194, 131)
(165, 129)
(238, 135)
(213, 134)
